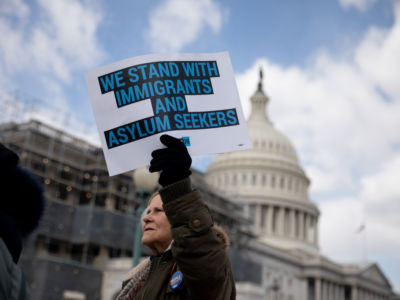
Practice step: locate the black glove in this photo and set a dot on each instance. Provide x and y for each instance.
(174, 161)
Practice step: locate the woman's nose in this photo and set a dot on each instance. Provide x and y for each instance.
(147, 218)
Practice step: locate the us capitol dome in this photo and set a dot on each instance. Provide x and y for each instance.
(269, 182)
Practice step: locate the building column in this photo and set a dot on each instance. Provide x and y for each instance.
(263, 215)
(309, 238)
(102, 258)
(338, 292)
(305, 224)
(268, 222)
(316, 231)
(281, 221)
(41, 250)
(257, 217)
(324, 290)
(354, 293)
(301, 225)
(330, 290)
(317, 289)
(292, 223)
(63, 251)
(110, 203)
(264, 210)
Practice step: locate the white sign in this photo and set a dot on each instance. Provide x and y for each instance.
(189, 96)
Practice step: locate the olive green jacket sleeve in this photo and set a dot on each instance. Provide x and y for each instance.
(198, 252)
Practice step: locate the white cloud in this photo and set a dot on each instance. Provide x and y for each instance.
(339, 221)
(361, 5)
(16, 7)
(58, 39)
(381, 193)
(376, 205)
(335, 112)
(378, 56)
(342, 114)
(176, 23)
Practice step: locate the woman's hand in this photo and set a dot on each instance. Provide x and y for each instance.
(174, 161)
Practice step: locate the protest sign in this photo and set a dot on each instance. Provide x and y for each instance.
(189, 96)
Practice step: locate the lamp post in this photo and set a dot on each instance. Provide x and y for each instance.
(145, 183)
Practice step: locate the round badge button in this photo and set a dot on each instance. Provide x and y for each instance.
(176, 280)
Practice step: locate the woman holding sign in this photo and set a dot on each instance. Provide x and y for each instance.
(189, 259)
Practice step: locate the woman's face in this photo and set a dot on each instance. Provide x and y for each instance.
(156, 228)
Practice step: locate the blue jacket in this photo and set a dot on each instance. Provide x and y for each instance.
(13, 285)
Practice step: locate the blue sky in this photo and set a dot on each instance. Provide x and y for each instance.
(331, 71)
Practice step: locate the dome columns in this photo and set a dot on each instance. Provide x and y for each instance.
(287, 223)
(292, 224)
(301, 225)
(270, 211)
(281, 221)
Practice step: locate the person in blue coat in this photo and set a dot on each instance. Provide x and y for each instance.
(21, 207)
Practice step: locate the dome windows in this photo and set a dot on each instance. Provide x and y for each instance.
(254, 179)
(273, 181)
(234, 179)
(271, 145)
(263, 179)
(282, 183)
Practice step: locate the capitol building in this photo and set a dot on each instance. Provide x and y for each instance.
(83, 247)
(272, 187)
